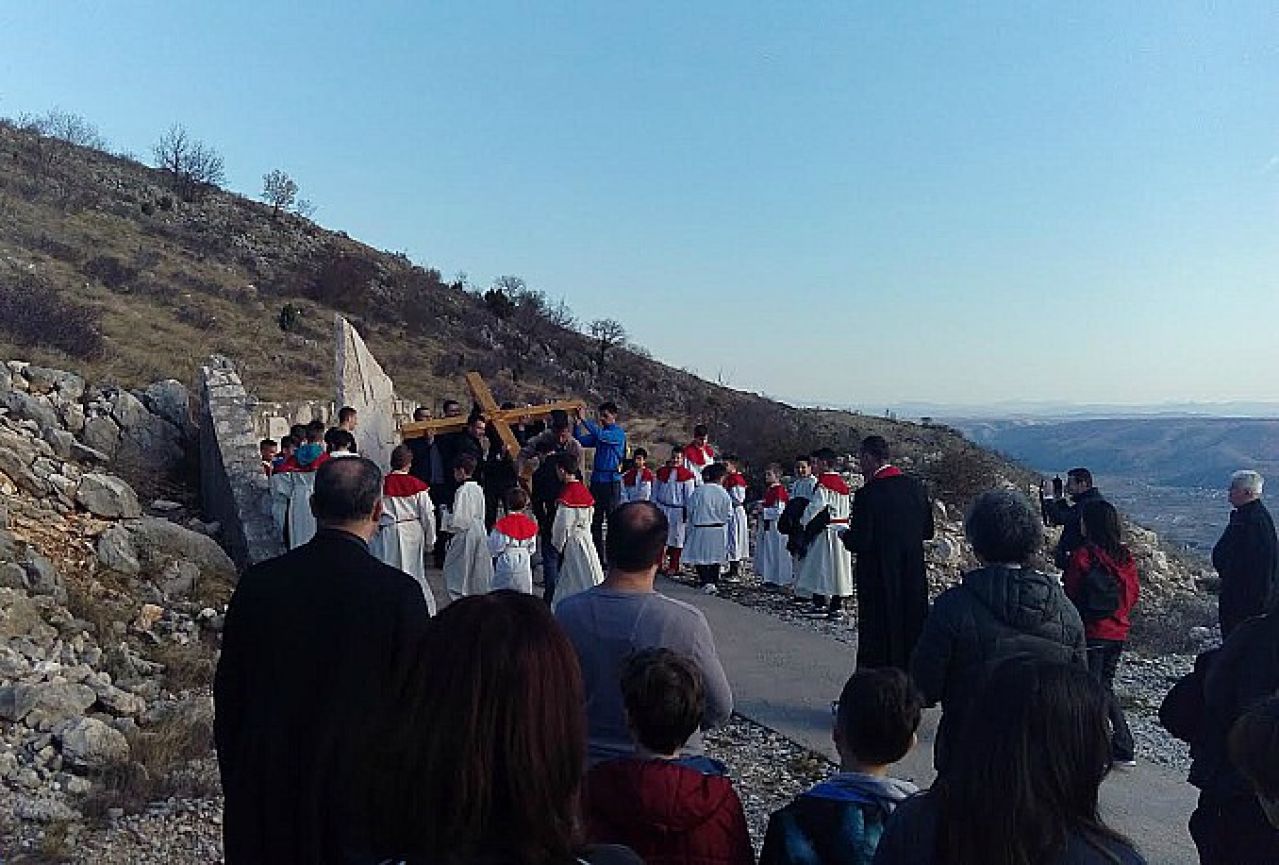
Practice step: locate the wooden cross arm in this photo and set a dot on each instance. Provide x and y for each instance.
(438, 426)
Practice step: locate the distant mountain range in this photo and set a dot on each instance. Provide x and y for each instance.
(1053, 409)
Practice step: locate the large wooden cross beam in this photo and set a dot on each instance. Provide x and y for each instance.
(499, 418)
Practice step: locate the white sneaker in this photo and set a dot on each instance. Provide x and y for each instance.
(710, 589)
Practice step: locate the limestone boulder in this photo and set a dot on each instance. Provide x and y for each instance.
(48, 703)
(115, 551)
(91, 744)
(118, 701)
(69, 387)
(102, 434)
(20, 618)
(108, 496)
(24, 406)
(43, 578)
(170, 400)
(363, 385)
(160, 542)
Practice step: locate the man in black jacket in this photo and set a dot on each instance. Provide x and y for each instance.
(1079, 489)
(891, 519)
(315, 644)
(1247, 556)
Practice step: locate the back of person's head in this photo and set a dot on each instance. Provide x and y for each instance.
(298, 431)
(1003, 528)
(288, 442)
(1103, 528)
(569, 464)
(516, 499)
(1254, 749)
(664, 698)
(825, 455)
(879, 711)
(491, 743)
(315, 431)
(714, 473)
(1081, 476)
(876, 447)
(465, 463)
(401, 458)
(346, 491)
(1026, 768)
(340, 440)
(636, 536)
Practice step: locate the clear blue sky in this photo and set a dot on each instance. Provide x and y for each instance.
(851, 202)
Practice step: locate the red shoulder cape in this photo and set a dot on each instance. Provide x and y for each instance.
(734, 480)
(834, 483)
(633, 477)
(398, 485)
(576, 495)
(776, 495)
(682, 474)
(699, 456)
(887, 472)
(521, 527)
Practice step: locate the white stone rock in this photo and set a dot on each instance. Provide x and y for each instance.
(108, 496)
(88, 743)
(363, 385)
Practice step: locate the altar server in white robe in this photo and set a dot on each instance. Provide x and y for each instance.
(826, 571)
(512, 543)
(468, 567)
(738, 525)
(802, 488)
(673, 483)
(571, 534)
(637, 482)
(407, 528)
(699, 454)
(772, 561)
(710, 507)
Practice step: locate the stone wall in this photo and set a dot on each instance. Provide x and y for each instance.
(272, 420)
(234, 489)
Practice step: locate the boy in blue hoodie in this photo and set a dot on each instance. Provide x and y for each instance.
(839, 821)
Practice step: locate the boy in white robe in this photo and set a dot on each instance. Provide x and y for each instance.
(512, 543)
(802, 488)
(710, 507)
(826, 571)
(468, 567)
(407, 528)
(673, 484)
(699, 454)
(571, 534)
(772, 561)
(637, 483)
(738, 524)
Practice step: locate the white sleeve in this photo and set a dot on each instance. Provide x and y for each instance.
(426, 516)
(643, 491)
(497, 543)
(559, 531)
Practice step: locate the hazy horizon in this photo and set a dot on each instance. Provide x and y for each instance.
(874, 205)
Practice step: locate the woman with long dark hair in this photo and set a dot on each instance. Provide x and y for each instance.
(1104, 557)
(492, 742)
(1023, 781)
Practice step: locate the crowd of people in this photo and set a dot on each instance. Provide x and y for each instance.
(355, 724)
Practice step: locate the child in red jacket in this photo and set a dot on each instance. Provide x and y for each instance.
(670, 810)
(1104, 548)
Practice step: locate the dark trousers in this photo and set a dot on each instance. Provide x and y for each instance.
(1103, 660)
(1233, 831)
(544, 513)
(707, 574)
(832, 604)
(608, 496)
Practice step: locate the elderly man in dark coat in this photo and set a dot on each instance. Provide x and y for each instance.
(1247, 556)
(315, 644)
(891, 519)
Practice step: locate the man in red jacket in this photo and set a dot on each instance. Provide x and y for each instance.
(670, 810)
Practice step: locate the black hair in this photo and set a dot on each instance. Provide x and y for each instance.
(609, 406)
(1002, 527)
(346, 413)
(1026, 770)
(298, 431)
(449, 403)
(640, 452)
(714, 473)
(824, 454)
(288, 442)
(879, 712)
(664, 698)
(636, 536)
(700, 430)
(315, 430)
(421, 410)
(267, 443)
(1102, 528)
(569, 463)
(1082, 475)
(517, 499)
(401, 457)
(466, 463)
(876, 447)
(346, 489)
(337, 439)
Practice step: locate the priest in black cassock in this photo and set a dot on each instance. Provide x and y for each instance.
(316, 644)
(891, 519)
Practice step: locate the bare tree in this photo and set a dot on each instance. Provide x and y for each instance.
(305, 208)
(279, 190)
(191, 164)
(51, 137)
(608, 333)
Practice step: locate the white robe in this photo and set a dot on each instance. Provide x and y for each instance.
(468, 567)
(639, 491)
(513, 559)
(406, 533)
(801, 489)
(280, 487)
(580, 564)
(709, 510)
(738, 526)
(772, 559)
(704, 457)
(301, 521)
(672, 497)
(827, 568)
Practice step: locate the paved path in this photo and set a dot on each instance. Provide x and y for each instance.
(785, 677)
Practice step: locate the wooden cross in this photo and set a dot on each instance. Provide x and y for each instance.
(499, 418)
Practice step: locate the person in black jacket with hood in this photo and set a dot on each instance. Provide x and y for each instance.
(1059, 512)
(1004, 609)
(1247, 556)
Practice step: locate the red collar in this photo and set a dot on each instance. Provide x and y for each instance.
(833, 482)
(576, 495)
(518, 526)
(702, 456)
(775, 495)
(398, 485)
(888, 471)
(734, 480)
(681, 474)
(633, 476)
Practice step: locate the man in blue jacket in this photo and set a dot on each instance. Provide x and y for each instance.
(609, 441)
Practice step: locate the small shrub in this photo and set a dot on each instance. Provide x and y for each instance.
(165, 202)
(197, 317)
(34, 313)
(110, 271)
(498, 303)
(290, 317)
